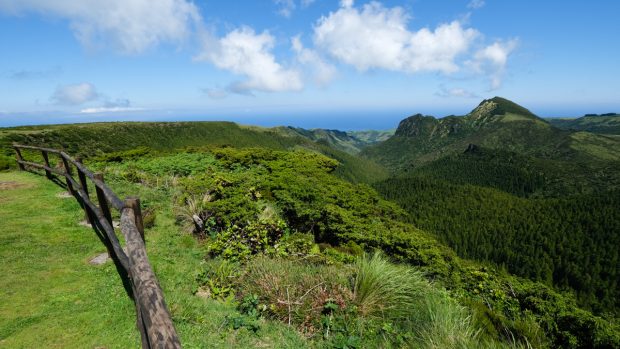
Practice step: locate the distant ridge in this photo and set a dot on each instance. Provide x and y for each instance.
(608, 123)
(504, 127)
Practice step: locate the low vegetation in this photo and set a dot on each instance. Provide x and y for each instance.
(259, 209)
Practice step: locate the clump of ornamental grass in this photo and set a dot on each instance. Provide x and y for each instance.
(385, 290)
(400, 296)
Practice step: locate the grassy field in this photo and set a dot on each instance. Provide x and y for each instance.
(50, 296)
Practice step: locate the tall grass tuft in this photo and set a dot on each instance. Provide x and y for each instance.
(385, 290)
(400, 295)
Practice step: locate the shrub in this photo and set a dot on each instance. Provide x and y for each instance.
(218, 278)
(240, 242)
(296, 292)
(6, 162)
(148, 217)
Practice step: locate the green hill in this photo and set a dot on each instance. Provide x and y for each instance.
(96, 139)
(351, 142)
(504, 186)
(579, 161)
(608, 124)
(569, 242)
(288, 204)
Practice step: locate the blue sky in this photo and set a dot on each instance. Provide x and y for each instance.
(310, 63)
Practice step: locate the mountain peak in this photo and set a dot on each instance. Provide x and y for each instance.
(498, 106)
(416, 125)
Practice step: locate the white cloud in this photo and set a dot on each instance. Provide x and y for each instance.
(117, 103)
(455, 92)
(346, 3)
(286, 7)
(75, 94)
(25, 74)
(321, 71)
(377, 37)
(306, 3)
(100, 110)
(475, 4)
(248, 54)
(492, 60)
(131, 26)
(215, 92)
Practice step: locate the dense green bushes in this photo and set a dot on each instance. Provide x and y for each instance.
(6, 162)
(252, 200)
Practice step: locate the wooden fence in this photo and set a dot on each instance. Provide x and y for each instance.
(152, 315)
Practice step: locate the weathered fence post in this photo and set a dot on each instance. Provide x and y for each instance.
(84, 185)
(103, 202)
(18, 156)
(68, 174)
(48, 174)
(134, 203)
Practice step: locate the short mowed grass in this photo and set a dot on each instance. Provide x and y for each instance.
(51, 297)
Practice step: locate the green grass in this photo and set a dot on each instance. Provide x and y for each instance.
(51, 297)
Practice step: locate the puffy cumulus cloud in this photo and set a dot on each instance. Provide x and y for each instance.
(374, 36)
(75, 94)
(322, 71)
(492, 60)
(131, 26)
(248, 54)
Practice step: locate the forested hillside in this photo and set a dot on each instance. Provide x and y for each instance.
(503, 185)
(571, 242)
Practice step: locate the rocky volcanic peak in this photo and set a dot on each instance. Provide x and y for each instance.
(497, 106)
(416, 125)
(484, 110)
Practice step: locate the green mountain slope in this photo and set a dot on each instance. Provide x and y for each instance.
(351, 142)
(96, 139)
(288, 204)
(577, 160)
(569, 242)
(608, 124)
(503, 185)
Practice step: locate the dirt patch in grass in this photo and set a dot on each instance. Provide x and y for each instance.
(9, 185)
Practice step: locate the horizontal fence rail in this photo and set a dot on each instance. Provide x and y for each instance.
(152, 316)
